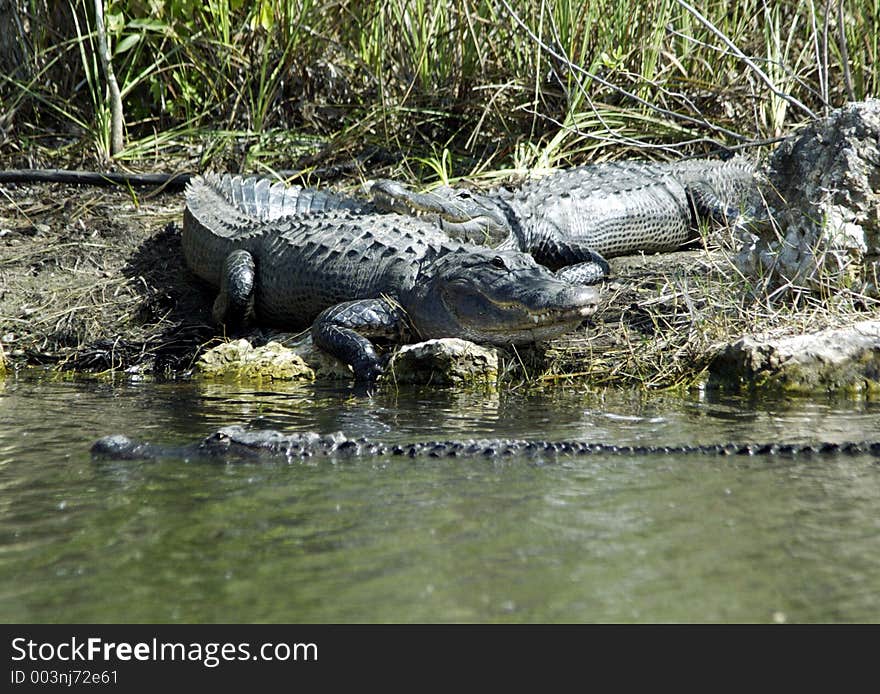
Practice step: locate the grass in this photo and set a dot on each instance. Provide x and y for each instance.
(662, 321)
(487, 80)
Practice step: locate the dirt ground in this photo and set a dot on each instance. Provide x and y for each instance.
(93, 279)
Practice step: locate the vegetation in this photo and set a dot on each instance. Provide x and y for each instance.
(462, 87)
(432, 91)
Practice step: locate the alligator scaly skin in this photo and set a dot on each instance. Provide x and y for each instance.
(592, 212)
(238, 443)
(294, 257)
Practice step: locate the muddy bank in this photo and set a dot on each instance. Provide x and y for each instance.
(94, 280)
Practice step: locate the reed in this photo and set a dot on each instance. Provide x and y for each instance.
(497, 83)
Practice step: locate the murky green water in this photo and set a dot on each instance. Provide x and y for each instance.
(597, 539)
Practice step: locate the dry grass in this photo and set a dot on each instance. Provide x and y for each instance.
(664, 318)
(94, 280)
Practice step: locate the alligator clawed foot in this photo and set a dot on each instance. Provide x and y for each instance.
(368, 371)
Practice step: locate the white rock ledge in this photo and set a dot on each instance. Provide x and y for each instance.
(837, 359)
(444, 362)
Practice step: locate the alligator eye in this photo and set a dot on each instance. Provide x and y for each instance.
(498, 262)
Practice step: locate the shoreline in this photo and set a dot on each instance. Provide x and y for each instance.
(93, 280)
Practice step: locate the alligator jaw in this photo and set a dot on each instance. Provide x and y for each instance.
(547, 316)
(542, 326)
(562, 315)
(517, 322)
(497, 297)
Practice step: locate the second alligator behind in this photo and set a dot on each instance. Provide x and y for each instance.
(576, 218)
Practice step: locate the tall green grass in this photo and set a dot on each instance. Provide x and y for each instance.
(490, 83)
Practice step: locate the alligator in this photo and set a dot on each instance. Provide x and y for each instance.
(577, 218)
(294, 257)
(236, 443)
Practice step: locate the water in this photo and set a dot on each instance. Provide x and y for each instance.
(655, 538)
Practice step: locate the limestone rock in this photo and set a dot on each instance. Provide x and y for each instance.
(845, 359)
(445, 361)
(823, 191)
(325, 366)
(239, 360)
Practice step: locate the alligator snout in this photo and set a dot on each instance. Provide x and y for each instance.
(583, 300)
(563, 302)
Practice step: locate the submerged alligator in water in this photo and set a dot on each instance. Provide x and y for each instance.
(294, 257)
(238, 443)
(592, 212)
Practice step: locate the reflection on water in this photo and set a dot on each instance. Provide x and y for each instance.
(598, 539)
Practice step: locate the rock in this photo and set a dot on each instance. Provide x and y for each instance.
(240, 360)
(826, 232)
(445, 361)
(2, 361)
(325, 366)
(835, 359)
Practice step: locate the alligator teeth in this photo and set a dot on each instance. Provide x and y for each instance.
(547, 316)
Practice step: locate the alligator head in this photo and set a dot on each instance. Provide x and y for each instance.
(496, 297)
(469, 209)
(460, 211)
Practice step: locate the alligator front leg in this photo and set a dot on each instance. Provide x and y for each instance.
(585, 273)
(344, 330)
(576, 264)
(234, 305)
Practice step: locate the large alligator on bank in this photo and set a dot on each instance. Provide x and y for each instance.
(581, 216)
(294, 257)
(235, 443)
